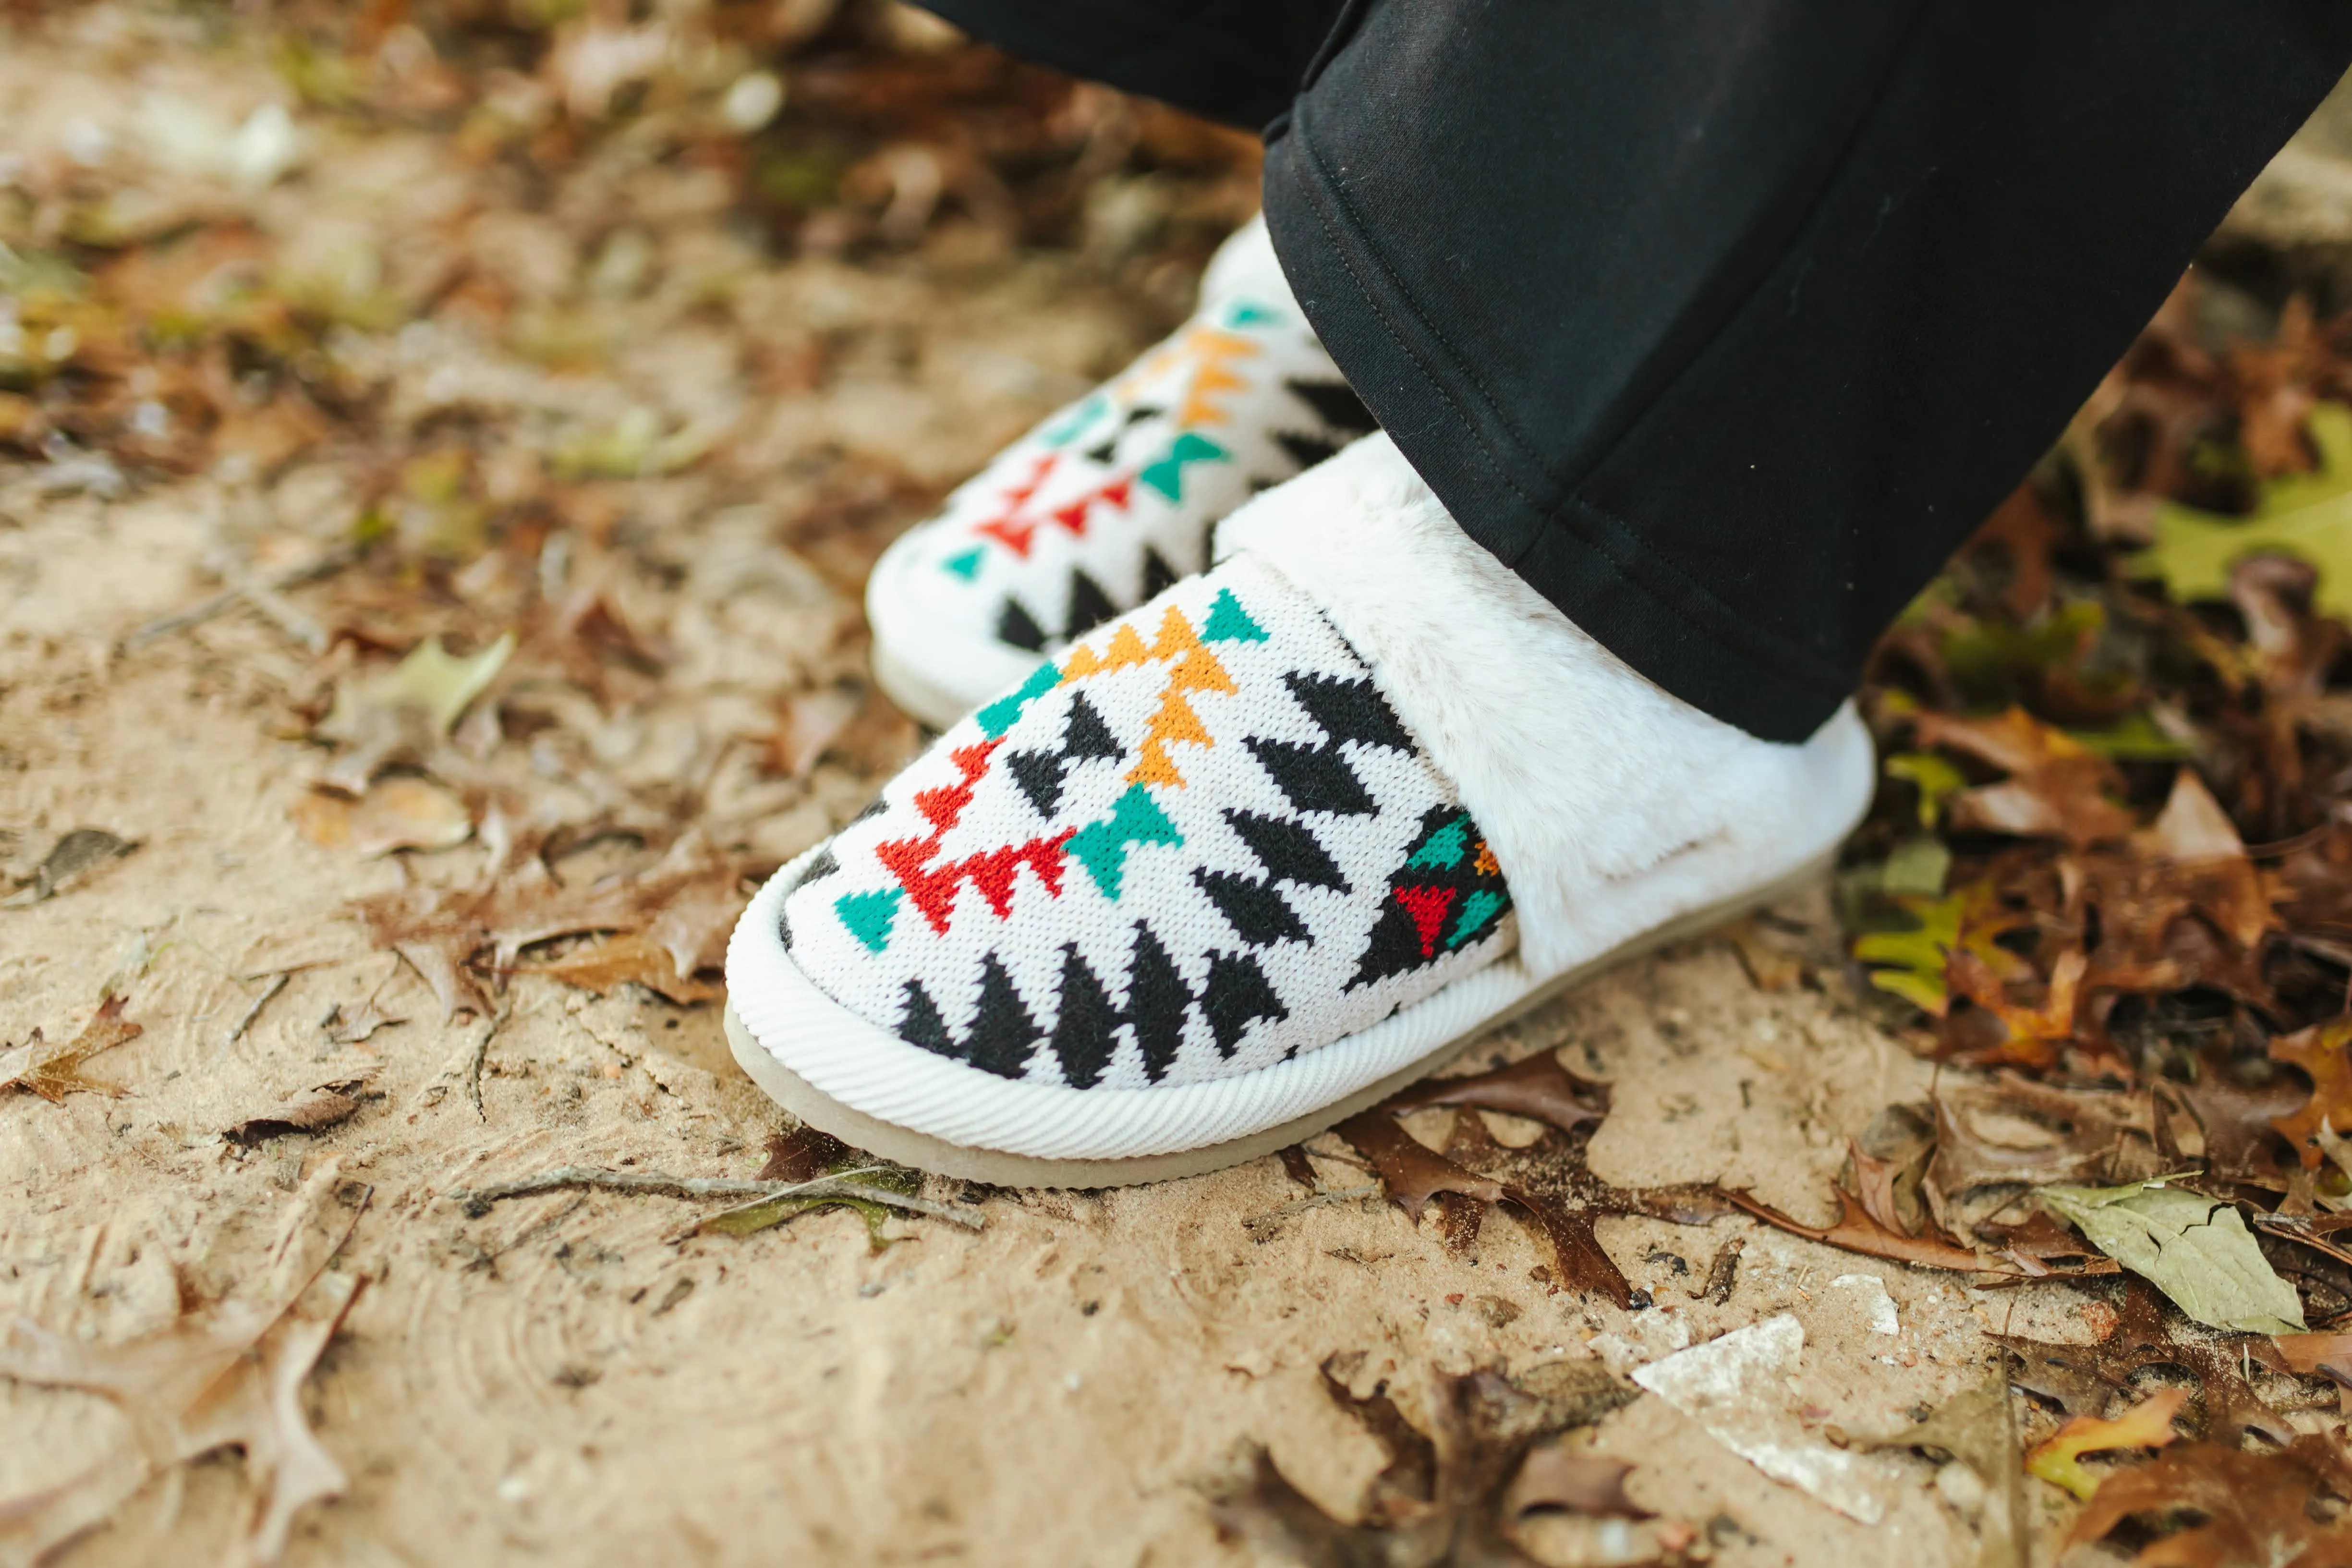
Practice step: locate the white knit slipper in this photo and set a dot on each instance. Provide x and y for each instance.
(1257, 853)
(1112, 498)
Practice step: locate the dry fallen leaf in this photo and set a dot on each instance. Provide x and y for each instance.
(1547, 1183)
(2195, 1249)
(2324, 1052)
(71, 858)
(2234, 1508)
(2081, 1379)
(2057, 1459)
(54, 1071)
(627, 959)
(1459, 1492)
(2057, 788)
(2313, 1355)
(312, 1109)
(1556, 1477)
(394, 813)
(226, 1375)
(686, 904)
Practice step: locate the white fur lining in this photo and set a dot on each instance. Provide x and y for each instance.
(1611, 806)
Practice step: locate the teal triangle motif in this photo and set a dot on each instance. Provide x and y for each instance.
(868, 915)
(1070, 423)
(1005, 712)
(966, 565)
(1478, 910)
(1445, 847)
(1101, 847)
(1167, 474)
(1246, 314)
(1228, 622)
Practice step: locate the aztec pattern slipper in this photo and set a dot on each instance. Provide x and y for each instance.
(1254, 855)
(1111, 500)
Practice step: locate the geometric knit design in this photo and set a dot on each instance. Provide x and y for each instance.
(1197, 842)
(1112, 500)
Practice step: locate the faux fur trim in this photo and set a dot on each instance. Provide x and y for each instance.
(1611, 806)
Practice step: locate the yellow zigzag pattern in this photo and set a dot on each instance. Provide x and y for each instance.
(1195, 669)
(1210, 347)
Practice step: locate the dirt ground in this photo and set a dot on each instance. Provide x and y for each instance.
(574, 1377)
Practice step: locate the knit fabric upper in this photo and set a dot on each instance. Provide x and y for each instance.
(1111, 500)
(1196, 844)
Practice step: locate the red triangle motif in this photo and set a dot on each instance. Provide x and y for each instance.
(1427, 906)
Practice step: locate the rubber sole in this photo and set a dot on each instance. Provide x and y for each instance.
(906, 1147)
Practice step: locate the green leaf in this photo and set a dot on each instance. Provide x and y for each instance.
(1936, 778)
(746, 1218)
(2305, 515)
(431, 681)
(1917, 867)
(2193, 1249)
(2138, 739)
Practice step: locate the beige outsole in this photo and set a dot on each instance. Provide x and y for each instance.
(860, 1130)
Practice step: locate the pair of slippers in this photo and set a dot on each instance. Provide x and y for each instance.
(1218, 847)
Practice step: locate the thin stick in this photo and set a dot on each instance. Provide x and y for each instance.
(259, 589)
(277, 984)
(474, 1064)
(1274, 1217)
(478, 1200)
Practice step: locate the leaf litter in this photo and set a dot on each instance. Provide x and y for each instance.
(1467, 1484)
(225, 1374)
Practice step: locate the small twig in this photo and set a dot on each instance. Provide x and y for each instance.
(263, 593)
(277, 984)
(474, 1063)
(478, 1200)
(1273, 1217)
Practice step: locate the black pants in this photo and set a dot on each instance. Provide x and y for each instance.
(1724, 321)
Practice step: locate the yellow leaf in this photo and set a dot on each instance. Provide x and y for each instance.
(2057, 1459)
(2305, 515)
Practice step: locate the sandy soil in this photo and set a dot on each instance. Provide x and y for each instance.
(567, 1378)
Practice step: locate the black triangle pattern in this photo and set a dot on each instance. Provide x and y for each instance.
(1090, 605)
(1158, 575)
(1337, 406)
(1317, 777)
(1086, 1036)
(1236, 996)
(1255, 908)
(1306, 450)
(1085, 736)
(1015, 627)
(1108, 452)
(825, 864)
(1003, 1035)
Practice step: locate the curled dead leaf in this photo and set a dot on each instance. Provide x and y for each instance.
(627, 959)
(394, 813)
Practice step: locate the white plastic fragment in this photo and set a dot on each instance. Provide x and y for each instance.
(1874, 1300)
(1737, 1388)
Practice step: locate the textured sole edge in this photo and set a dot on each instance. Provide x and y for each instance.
(907, 1147)
(909, 652)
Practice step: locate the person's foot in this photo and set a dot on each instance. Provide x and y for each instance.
(1112, 498)
(1253, 855)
